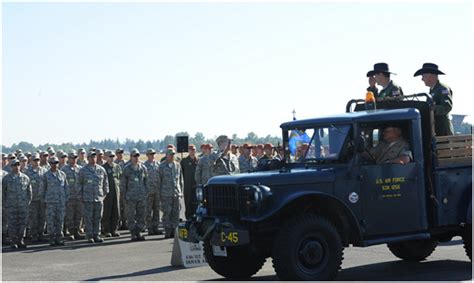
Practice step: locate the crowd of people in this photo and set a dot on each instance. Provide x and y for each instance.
(97, 192)
(49, 195)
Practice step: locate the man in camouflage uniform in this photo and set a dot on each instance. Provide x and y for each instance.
(94, 187)
(62, 159)
(170, 183)
(37, 209)
(55, 194)
(81, 161)
(100, 157)
(4, 160)
(4, 212)
(17, 196)
(134, 180)
(23, 163)
(188, 165)
(74, 207)
(123, 213)
(111, 215)
(153, 198)
(442, 97)
(247, 162)
(203, 168)
(44, 160)
(382, 74)
(223, 162)
(8, 167)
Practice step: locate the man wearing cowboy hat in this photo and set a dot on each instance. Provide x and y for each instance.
(381, 74)
(442, 97)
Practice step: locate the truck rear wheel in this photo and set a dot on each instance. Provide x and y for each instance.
(308, 247)
(417, 250)
(240, 263)
(467, 239)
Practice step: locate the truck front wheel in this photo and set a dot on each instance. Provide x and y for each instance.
(308, 247)
(417, 250)
(467, 239)
(239, 263)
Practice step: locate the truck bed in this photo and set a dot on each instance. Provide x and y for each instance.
(453, 151)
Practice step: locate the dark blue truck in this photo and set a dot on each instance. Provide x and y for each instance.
(330, 195)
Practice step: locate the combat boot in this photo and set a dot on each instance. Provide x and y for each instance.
(140, 237)
(21, 244)
(58, 241)
(115, 234)
(98, 239)
(14, 246)
(90, 240)
(134, 235)
(77, 236)
(52, 241)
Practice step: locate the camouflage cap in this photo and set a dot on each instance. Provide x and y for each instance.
(119, 150)
(51, 152)
(170, 151)
(222, 139)
(23, 158)
(50, 148)
(150, 151)
(15, 162)
(99, 151)
(4, 156)
(53, 160)
(92, 149)
(91, 153)
(81, 150)
(11, 156)
(134, 152)
(72, 154)
(18, 151)
(109, 153)
(62, 154)
(28, 154)
(19, 156)
(43, 153)
(35, 156)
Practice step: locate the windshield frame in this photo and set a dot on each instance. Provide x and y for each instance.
(316, 127)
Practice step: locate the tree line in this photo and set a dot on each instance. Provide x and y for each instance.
(141, 145)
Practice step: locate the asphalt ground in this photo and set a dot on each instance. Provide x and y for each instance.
(121, 259)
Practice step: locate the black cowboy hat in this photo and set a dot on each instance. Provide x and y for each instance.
(429, 68)
(379, 68)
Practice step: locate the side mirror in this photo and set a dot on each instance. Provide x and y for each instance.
(360, 144)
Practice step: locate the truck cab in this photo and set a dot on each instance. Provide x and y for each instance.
(328, 193)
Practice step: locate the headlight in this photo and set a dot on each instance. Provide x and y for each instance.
(199, 194)
(254, 194)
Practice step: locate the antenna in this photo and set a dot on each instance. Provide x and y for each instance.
(294, 114)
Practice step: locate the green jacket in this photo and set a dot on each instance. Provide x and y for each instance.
(392, 90)
(443, 99)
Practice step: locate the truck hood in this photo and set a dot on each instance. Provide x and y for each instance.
(269, 178)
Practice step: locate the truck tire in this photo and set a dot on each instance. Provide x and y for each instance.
(239, 264)
(467, 239)
(417, 250)
(308, 247)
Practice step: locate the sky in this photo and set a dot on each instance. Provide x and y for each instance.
(72, 72)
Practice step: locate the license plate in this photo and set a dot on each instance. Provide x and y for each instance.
(219, 251)
(230, 237)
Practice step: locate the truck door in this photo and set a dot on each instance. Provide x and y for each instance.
(392, 198)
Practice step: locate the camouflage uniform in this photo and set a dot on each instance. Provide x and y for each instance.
(74, 210)
(81, 163)
(111, 215)
(392, 90)
(247, 165)
(17, 194)
(4, 212)
(153, 198)
(203, 170)
(55, 194)
(123, 213)
(170, 183)
(134, 180)
(37, 210)
(94, 186)
(223, 165)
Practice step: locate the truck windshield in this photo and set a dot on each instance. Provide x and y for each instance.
(316, 144)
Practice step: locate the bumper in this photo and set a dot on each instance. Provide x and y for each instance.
(219, 234)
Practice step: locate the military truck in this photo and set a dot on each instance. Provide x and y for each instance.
(321, 199)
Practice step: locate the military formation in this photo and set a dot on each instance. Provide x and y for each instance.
(93, 194)
(52, 195)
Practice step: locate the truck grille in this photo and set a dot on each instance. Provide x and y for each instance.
(222, 199)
